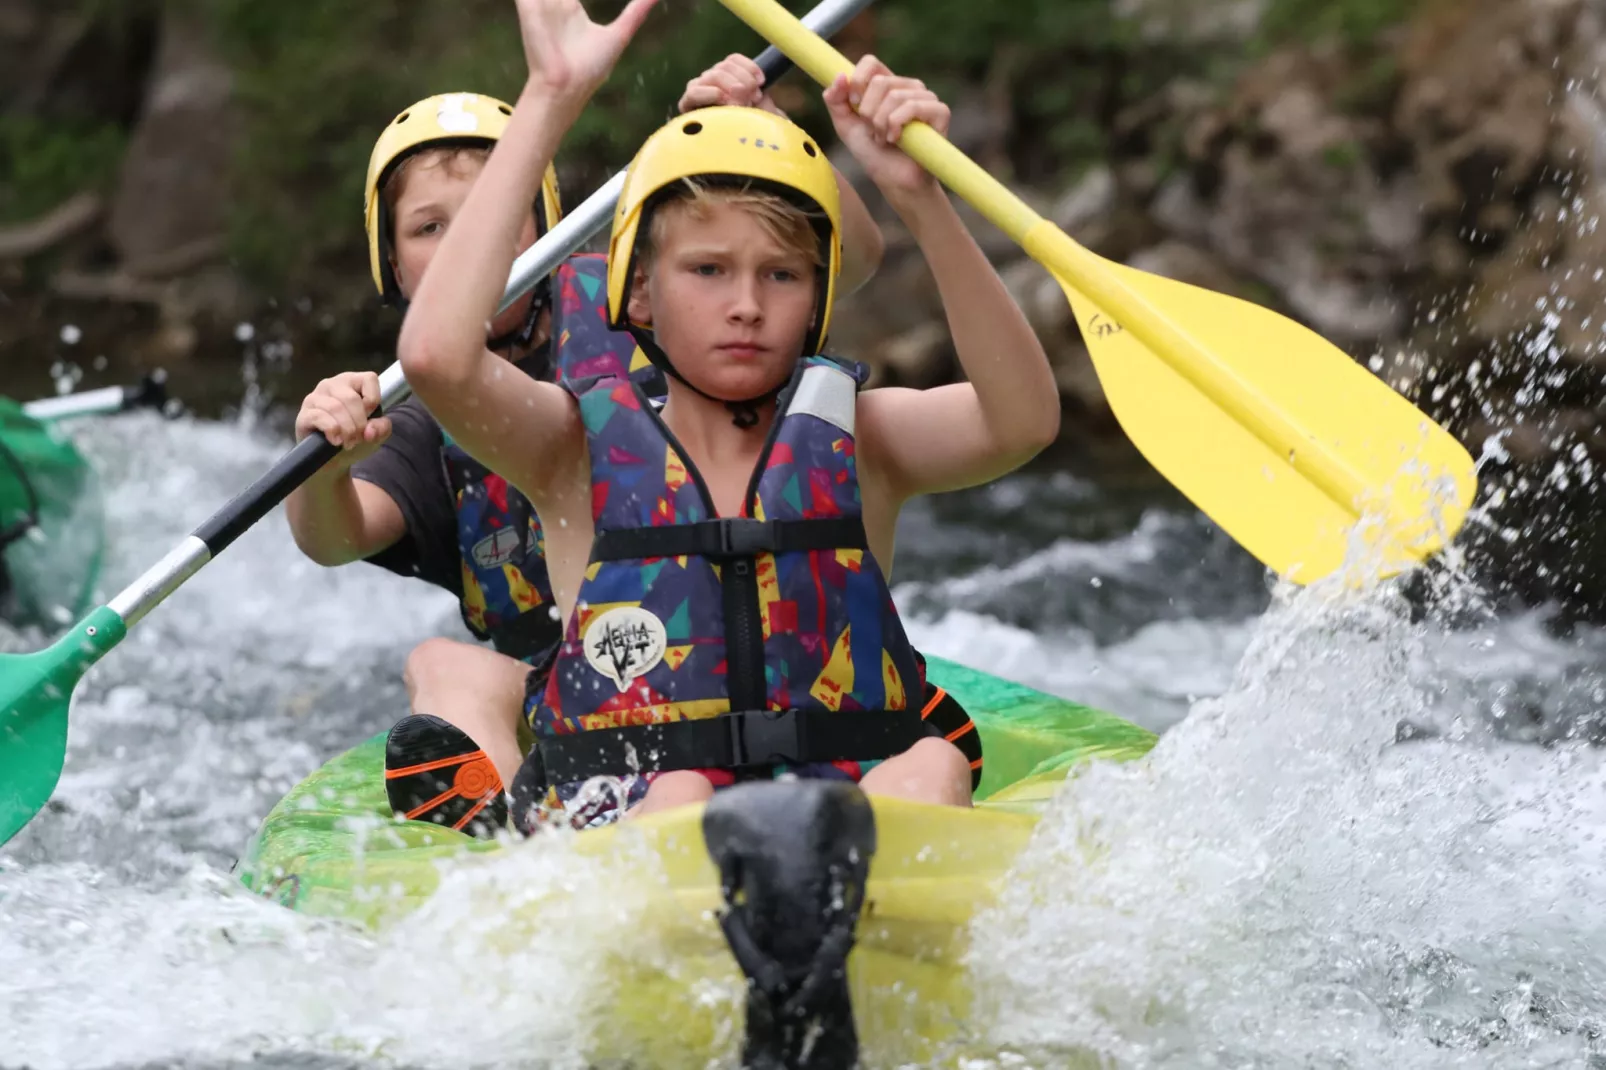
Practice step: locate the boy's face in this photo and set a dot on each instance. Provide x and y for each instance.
(728, 303)
(431, 194)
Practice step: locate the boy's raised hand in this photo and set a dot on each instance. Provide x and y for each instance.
(735, 80)
(568, 54)
(870, 110)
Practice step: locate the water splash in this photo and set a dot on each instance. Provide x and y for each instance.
(1282, 883)
(1279, 885)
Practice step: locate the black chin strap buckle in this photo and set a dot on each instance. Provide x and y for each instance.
(744, 414)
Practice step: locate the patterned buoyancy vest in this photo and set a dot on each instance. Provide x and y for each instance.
(507, 597)
(698, 642)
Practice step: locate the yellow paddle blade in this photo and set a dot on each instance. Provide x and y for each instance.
(1300, 454)
(1416, 481)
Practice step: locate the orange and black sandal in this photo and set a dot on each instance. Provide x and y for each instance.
(943, 713)
(435, 772)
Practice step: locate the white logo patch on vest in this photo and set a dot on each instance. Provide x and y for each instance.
(827, 393)
(498, 548)
(624, 643)
(452, 116)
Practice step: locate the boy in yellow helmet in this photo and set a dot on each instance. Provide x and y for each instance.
(719, 562)
(405, 497)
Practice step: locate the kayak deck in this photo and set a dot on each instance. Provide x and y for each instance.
(331, 848)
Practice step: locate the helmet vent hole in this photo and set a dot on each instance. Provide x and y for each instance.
(402, 118)
(808, 147)
(692, 128)
(504, 109)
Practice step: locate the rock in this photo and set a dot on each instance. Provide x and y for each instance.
(1186, 263)
(980, 126)
(1078, 381)
(1581, 133)
(172, 193)
(1394, 220)
(1190, 22)
(1547, 288)
(73, 60)
(1092, 198)
(918, 358)
(174, 342)
(1304, 125)
(1345, 311)
(1478, 98)
(1039, 296)
(1178, 209)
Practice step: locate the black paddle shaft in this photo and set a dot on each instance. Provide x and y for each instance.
(315, 451)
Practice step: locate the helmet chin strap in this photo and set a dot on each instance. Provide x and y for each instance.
(520, 336)
(744, 413)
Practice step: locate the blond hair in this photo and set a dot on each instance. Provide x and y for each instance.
(788, 225)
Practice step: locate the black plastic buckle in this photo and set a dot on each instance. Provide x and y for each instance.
(766, 737)
(742, 536)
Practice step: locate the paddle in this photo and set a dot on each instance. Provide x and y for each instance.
(36, 689)
(1271, 430)
(150, 393)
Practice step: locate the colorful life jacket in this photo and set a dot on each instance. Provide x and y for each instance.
(699, 642)
(507, 598)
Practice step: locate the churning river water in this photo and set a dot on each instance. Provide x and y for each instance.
(1280, 884)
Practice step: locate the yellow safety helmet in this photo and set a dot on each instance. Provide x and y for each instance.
(443, 120)
(744, 145)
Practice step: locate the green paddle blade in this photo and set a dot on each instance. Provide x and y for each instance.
(50, 499)
(35, 691)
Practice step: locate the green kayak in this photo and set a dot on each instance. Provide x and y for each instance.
(52, 527)
(331, 848)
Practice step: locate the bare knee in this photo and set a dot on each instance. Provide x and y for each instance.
(432, 659)
(681, 787)
(945, 767)
(933, 770)
(942, 758)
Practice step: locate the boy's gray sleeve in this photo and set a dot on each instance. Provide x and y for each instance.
(408, 467)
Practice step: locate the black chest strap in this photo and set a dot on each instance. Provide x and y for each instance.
(740, 741)
(730, 537)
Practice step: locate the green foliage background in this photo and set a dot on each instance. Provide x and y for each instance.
(317, 79)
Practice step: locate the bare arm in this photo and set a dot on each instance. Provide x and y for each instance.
(922, 442)
(513, 424)
(528, 431)
(335, 519)
(928, 441)
(863, 245)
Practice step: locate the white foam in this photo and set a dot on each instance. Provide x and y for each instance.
(1277, 886)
